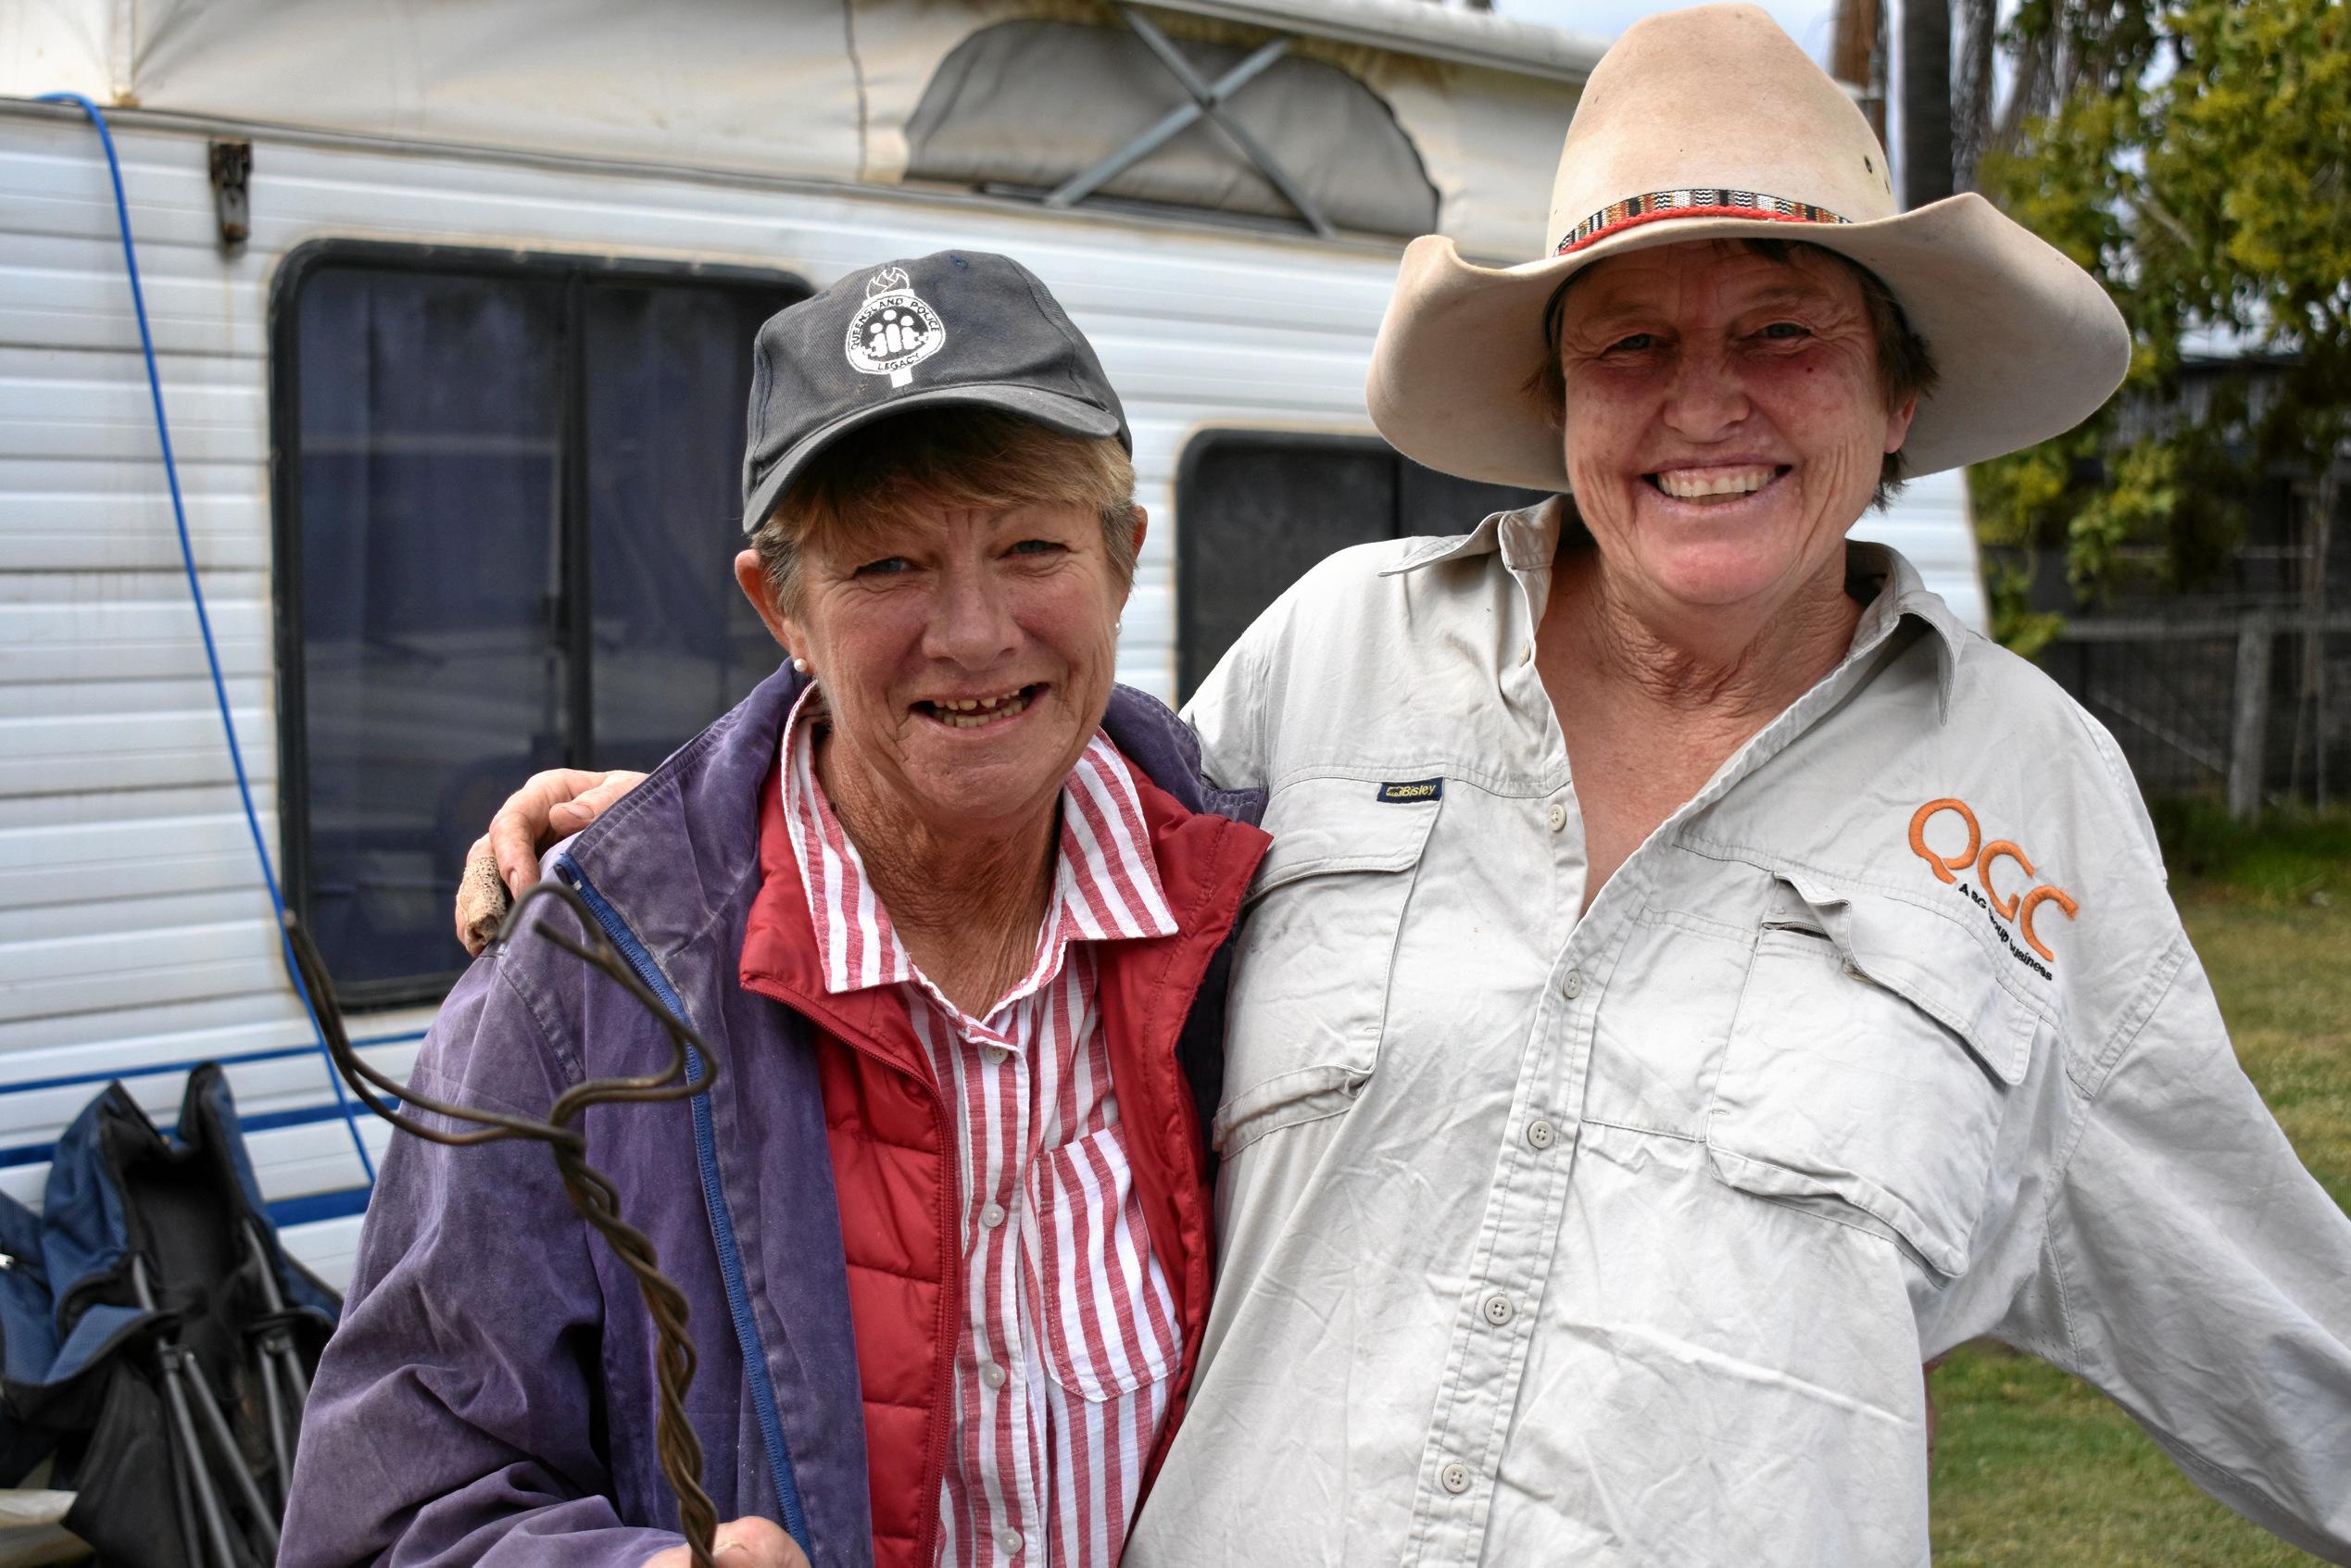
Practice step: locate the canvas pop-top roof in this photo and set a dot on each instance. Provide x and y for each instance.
(1391, 116)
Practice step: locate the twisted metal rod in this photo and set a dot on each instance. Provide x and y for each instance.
(592, 1193)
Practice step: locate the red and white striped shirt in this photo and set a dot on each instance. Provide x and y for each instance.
(1068, 1344)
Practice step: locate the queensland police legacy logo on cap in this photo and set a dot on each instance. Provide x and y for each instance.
(894, 330)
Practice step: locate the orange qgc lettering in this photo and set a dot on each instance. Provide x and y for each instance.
(1936, 863)
(1993, 851)
(2033, 901)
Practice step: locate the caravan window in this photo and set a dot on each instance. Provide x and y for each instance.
(507, 514)
(1254, 510)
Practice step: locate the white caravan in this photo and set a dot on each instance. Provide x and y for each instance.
(452, 307)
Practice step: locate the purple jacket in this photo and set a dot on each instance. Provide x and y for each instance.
(489, 1396)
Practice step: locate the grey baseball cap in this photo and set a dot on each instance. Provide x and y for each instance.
(956, 329)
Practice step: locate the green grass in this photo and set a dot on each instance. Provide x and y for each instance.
(2036, 1468)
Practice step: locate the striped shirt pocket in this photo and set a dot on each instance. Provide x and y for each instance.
(1106, 1315)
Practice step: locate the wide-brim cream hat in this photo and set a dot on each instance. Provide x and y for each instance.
(1712, 123)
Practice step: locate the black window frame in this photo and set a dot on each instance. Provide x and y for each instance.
(1202, 445)
(574, 628)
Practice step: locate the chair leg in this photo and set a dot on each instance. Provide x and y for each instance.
(215, 1517)
(184, 1499)
(176, 1370)
(290, 1364)
(280, 1451)
(232, 1459)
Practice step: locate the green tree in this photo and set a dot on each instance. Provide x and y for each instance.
(2195, 156)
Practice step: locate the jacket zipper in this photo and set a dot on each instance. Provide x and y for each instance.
(944, 1398)
(738, 1297)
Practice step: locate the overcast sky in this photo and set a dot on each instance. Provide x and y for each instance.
(1807, 21)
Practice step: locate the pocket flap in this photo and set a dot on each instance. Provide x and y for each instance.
(1087, 1259)
(1932, 963)
(1323, 825)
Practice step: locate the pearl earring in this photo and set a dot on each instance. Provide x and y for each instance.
(800, 665)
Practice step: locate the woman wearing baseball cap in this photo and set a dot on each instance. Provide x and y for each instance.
(946, 903)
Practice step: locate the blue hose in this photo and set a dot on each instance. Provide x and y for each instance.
(204, 623)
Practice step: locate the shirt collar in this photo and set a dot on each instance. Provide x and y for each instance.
(1902, 595)
(1106, 883)
(1525, 540)
(1891, 589)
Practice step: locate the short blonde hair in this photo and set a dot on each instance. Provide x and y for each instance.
(889, 472)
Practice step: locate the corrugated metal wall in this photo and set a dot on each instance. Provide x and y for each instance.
(135, 935)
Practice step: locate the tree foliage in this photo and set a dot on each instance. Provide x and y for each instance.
(2195, 156)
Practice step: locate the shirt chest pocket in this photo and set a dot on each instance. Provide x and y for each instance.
(1098, 1299)
(1309, 995)
(1869, 1068)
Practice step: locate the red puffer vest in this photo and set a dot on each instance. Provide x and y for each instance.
(891, 1136)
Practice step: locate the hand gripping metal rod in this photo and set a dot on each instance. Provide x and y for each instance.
(592, 1193)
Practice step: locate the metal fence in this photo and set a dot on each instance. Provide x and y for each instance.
(2253, 705)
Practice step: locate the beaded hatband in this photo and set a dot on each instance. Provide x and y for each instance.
(1698, 202)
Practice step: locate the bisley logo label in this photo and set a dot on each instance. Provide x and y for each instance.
(2018, 908)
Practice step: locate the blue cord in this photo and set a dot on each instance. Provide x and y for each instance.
(204, 623)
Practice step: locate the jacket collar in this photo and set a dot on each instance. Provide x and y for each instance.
(1164, 750)
(683, 846)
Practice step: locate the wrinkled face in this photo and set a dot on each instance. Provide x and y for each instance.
(1725, 424)
(965, 660)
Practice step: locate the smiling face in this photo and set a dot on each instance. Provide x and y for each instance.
(1725, 422)
(966, 657)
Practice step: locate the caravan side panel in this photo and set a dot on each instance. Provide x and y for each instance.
(136, 937)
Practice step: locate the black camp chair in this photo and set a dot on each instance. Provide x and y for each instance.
(158, 1342)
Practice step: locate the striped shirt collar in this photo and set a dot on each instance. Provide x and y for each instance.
(1106, 884)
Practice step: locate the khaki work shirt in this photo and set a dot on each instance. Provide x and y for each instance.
(1619, 1239)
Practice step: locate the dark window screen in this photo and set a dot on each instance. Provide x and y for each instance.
(508, 514)
(670, 372)
(1255, 510)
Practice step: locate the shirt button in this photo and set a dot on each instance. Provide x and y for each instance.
(1498, 1309)
(1542, 1134)
(1527, 654)
(992, 1215)
(1573, 986)
(1008, 1542)
(996, 1055)
(1454, 1478)
(994, 1376)
(1558, 817)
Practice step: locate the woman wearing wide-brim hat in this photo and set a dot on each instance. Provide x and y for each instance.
(1779, 986)
(1695, 980)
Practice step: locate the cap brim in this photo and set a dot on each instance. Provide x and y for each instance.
(1053, 410)
(2027, 343)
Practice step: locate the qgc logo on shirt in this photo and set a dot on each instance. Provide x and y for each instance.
(2017, 906)
(894, 330)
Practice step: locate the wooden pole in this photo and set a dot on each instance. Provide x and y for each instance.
(2315, 645)
(2249, 715)
(1853, 57)
(1925, 101)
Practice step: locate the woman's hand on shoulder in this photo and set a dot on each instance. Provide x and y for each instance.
(505, 861)
(741, 1543)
